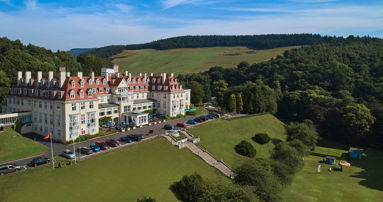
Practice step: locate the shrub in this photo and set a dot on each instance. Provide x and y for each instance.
(288, 155)
(245, 149)
(261, 138)
(189, 188)
(304, 132)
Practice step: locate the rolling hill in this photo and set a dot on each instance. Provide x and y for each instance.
(191, 60)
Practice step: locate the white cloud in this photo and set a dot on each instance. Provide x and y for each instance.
(30, 4)
(124, 8)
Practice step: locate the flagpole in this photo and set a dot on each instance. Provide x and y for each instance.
(53, 160)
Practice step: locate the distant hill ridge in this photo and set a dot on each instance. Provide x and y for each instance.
(266, 41)
(78, 51)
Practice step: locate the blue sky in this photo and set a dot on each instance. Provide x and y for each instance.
(69, 24)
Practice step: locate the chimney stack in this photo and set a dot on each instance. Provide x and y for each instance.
(130, 76)
(151, 74)
(50, 76)
(39, 77)
(27, 78)
(79, 74)
(126, 73)
(19, 75)
(118, 74)
(92, 76)
(115, 68)
(172, 75)
(163, 78)
(145, 77)
(62, 76)
(68, 74)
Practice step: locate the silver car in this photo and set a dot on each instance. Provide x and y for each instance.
(69, 154)
(9, 168)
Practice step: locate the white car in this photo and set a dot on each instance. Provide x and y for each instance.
(69, 154)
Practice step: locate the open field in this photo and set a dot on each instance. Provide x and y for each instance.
(187, 60)
(15, 146)
(219, 137)
(363, 181)
(147, 169)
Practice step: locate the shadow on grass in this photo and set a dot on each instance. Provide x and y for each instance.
(372, 165)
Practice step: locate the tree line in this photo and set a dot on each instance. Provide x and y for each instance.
(265, 41)
(337, 85)
(15, 56)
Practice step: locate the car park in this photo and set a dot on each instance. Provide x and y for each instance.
(191, 121)
(39, 161)
(137, 137)
(113, 143)
(181, 125)
(9, 168)
(94, 148)
(127, 139)
(68, 154)
(169, 127)
(102, 145)
(86, 150)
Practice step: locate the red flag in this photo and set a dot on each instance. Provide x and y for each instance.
(48, 136)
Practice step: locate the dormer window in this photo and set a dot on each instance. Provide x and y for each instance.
(159, 81)
(82, 83)
(153, 87)
(90, 93)
(153, 80)
(72, 94)
(138, 80)
(81, 93)
(73, 84)
(97, 81)
(107, 89)
(136, 87)
(90, 81)
(134, 80)
(101, 90)
(94, 90)
(104, 81)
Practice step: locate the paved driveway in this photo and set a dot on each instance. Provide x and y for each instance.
(58, 147)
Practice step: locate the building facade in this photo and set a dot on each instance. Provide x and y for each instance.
(69, 106)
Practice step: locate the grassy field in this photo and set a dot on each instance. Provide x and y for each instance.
(15, 146)
(186, 60)
(363, 181)
(146, 169)
(219, 137)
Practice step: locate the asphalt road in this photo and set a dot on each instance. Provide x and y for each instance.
(58, 147)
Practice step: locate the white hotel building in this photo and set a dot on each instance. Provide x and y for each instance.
(69, 106)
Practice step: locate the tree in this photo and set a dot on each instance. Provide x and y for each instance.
(232, 103)
(18, 125)
(197, 92)
(304, 132)
(357, 120)
(287, 155)
(219, 89)
(104, 120)
(245, 148)
(239, 103)
(261, 138)
(189, 188)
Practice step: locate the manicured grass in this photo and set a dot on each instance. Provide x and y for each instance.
(14, 146)
(363, 181)
(220, 137)
(147, 169)
(186, 60)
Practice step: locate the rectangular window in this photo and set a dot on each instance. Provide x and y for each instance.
(73, 106)
(45, 105)
(40, 104)
(58, 132)
(82, 118)
(40, 117)
(45, 130)
(102, 113)
(51, 118)
(58, 106)
(116, 111)
(82, 104)
(90, 104)
(45, 118)
(109, 111)
(125, 108)
(58, 120)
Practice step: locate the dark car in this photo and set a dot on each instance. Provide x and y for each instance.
(86, 150)
(39, 161)
(94, 148)
(198, 119)
(169, 127)
(203, 118)
(137, 137)
(102, 145)
(191, 121)
(113, 143)
(127, 139)
(9, 168)
(182, 125)
(210, 116)
(150, 131)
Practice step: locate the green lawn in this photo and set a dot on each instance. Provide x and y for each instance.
(220, 136)
(185, 60)
(363, 181)
(14, 146)
(147, 169)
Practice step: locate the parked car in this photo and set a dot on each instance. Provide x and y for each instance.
(210, 116)
(150, 131)
(182, 125)
(69, 154)
(39, 161)
(86, 150)
(113, 143)
(169, 127)
(172, 132)
(191, 121)
(9, 168)
(127, 139)
(94, 148)
(137, 137)
(102, 145)
(203, 118)
(198, 119)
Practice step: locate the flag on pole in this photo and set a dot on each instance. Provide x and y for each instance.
(48, 136)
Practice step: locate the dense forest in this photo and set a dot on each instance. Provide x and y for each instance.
(252, 41)
(337, 85)
(14, 56)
